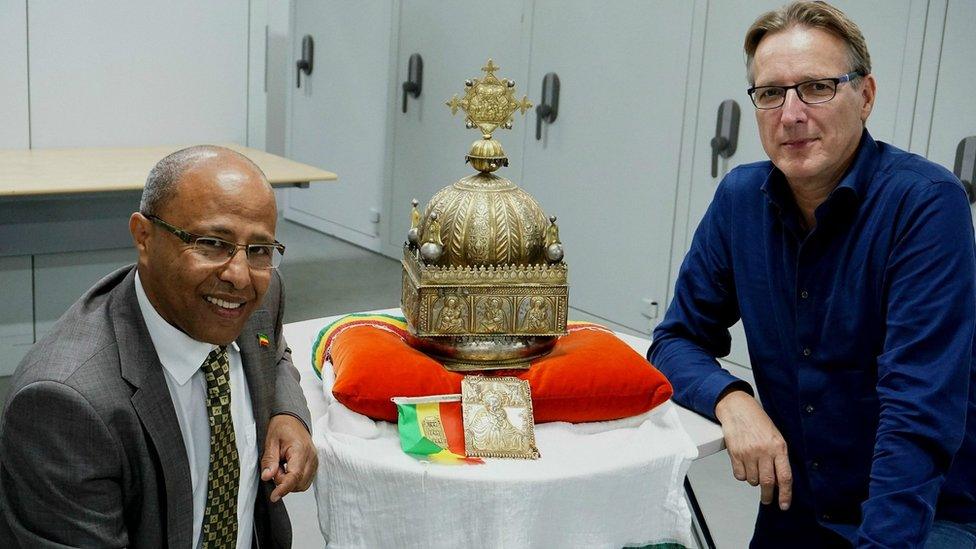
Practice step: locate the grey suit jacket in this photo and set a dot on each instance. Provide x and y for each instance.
(91, 453)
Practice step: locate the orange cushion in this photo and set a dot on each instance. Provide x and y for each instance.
(590, 375)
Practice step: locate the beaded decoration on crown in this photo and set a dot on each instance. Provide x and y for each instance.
(484, 281)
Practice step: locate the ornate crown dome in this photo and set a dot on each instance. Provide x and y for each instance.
(484, 281)
(487, 220)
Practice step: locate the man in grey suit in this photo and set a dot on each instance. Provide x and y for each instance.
(136, 421)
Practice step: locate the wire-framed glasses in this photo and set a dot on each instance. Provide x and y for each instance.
(217, 251)
(810, 92)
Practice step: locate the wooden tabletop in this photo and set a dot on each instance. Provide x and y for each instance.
(68, 171)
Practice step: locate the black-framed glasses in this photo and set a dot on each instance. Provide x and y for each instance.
(217, 251)
(810, 92)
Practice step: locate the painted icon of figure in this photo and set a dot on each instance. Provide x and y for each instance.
(490, 427)
(494, 318)
(537, 317)
(450, 320)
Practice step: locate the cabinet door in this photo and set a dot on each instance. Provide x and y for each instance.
(14, 133)
(16, 314)
(954, 109)
(60, 279)
(455, 40)
(892, 30)
(608, 166)
(339, 114)
(106, 73)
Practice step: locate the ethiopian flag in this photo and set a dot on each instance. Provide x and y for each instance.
(431, 428)
(322, 348)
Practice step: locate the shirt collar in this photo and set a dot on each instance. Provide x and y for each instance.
(861, 172)
(180, 354)
(852, 189)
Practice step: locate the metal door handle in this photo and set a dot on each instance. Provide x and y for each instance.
(965, 166)
(305, 63)
(548, 107)
(726, 133)
(415, 78)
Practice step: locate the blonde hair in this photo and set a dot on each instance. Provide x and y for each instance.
(815, 15)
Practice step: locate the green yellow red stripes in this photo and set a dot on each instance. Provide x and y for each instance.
(323, 343)
(431, 429)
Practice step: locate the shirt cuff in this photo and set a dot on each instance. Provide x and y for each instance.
(713, 387)
(296, 416)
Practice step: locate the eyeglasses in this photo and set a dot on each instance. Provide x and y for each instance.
(810, 92)
(218, 251)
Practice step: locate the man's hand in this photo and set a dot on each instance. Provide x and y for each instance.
(289, 456)
(756, 448)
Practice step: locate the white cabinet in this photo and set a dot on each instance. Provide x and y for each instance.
(60, 279)
(947, 110)
(608, 166)
(428, 147)
(339, 115)
(106, 73)
(14, 132)
(893, 31)
(16, 313)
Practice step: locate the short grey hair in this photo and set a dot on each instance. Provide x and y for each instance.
(161, 184)
(814, 15)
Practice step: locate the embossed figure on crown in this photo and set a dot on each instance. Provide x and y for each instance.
(451, 317)
(494, 318)
(537, 315)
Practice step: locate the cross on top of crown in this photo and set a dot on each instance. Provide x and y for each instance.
(489, 103)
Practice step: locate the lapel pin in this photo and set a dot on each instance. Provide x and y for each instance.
(263, 340)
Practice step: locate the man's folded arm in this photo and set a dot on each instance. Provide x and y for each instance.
(695, 329)
(289, 398)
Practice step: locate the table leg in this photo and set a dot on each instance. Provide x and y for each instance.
(699, 516)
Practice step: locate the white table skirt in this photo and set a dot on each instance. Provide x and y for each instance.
(605, 484)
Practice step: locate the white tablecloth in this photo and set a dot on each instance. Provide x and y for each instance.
(609, 484)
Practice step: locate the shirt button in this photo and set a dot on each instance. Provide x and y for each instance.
(815, 465)
(809, 408)
(804, 294)
(807, 351)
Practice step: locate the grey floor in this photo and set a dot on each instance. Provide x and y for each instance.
(326, 276)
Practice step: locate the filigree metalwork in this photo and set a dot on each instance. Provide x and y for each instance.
(487, 220)
(484, 281)
(451, 313)
(489, 103)
(503, 300)
(536, 315)
(497, 415)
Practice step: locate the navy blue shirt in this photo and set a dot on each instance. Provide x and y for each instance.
(860, 335)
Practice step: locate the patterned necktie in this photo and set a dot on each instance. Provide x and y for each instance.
(223, 478)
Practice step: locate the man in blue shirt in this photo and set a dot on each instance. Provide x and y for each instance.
(852, 266)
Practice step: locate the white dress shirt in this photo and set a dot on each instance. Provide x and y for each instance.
(182, 357)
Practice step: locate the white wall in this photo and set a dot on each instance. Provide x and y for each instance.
(14, 131)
